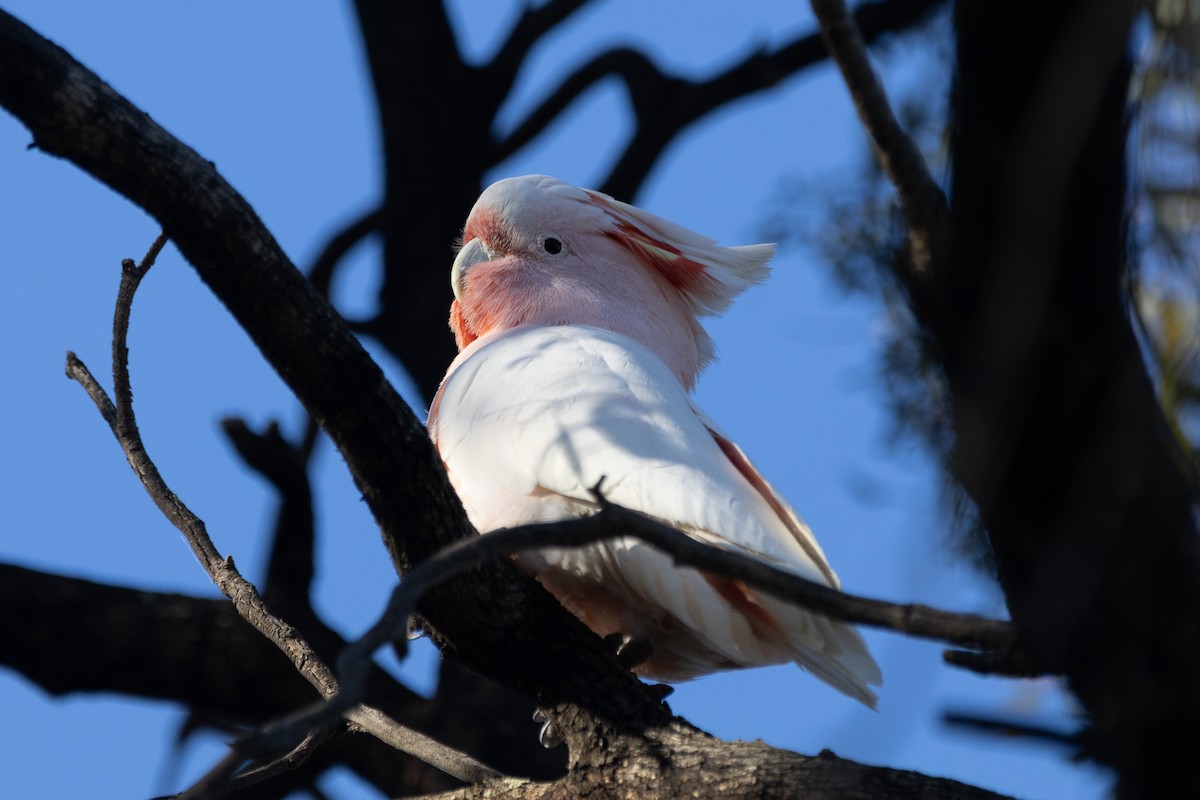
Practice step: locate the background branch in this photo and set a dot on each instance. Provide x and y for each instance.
(926, 214)
(222, 571)
(618, 716)
(535, 23)
(1091, 514)
(290, 567)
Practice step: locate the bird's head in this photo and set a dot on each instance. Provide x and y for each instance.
(537, 251)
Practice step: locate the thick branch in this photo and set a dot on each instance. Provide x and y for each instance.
(664, 105)
(747, 770)
(1089, 508)
(430, 102)
(498, 621)
(90, 637)
(71, 636)
(245, 597)
(493, 619)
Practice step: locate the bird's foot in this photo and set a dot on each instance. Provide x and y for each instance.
(630, 652)
(548, 736)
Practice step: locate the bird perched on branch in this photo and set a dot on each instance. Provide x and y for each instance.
(577, 318)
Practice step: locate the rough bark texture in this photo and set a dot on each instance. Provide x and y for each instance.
(621, 738)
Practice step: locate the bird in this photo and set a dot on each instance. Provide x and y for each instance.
(578, 323)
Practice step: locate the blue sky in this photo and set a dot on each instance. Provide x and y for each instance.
(277, 96)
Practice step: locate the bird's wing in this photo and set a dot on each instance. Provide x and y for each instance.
(529, 420)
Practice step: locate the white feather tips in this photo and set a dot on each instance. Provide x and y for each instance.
(710, 275)
(529, 419)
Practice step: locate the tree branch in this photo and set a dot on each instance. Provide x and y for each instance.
(609, 521)
(320, 274)
(493, 619)
(70, 636)
(667, 106)
(664, 105)
(290, 567)
(497, 620)
(222, 571)
(414, 58)
(633, 67)
(115, 639)
(1088, 506)
(535, 22)
(926, 213)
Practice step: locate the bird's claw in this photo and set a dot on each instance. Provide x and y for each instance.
(548, 735)
(630, 652)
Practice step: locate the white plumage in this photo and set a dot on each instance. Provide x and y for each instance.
(577, 318)
(529, 419)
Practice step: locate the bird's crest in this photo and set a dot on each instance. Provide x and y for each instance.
(708, 275)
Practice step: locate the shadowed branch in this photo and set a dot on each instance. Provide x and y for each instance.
(250, 606)
(664, 105)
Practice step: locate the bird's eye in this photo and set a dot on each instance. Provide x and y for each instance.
(552, 246)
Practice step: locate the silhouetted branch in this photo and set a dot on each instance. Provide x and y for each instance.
(1011, 728)
(609, 521)
(923, 203)
(414, 58)
(640, 75)
(224, 777)
(493, 619)
(535, 22)
(663, 104)
(290, 566)
(1012, 661)
(664, 108)
(116, 639)
(320, 275)
(245, 597)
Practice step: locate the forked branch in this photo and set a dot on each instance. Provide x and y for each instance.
(610, 521)
(121, 419)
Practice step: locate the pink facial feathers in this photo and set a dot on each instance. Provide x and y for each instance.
(578, 323)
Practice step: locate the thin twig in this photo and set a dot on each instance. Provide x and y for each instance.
(290, 567)
(535, 23)
(924, 204)
(1011, 728)
(276, 739)
(962, 630)
(320, 275)
(224, 778)
(666, 104)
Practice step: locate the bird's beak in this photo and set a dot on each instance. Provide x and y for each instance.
(472, 253)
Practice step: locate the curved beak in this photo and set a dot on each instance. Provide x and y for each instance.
(472, 253)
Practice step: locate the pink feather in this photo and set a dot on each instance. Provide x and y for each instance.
(577, 317)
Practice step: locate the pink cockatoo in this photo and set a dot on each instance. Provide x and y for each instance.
(577, 321)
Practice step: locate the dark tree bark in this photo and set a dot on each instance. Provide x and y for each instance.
(622, 740)
(1089, 505)
(436, 159)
